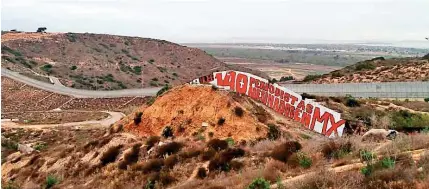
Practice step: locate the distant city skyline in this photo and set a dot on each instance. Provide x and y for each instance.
(230, 21)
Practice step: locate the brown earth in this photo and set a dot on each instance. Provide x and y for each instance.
(107, 62)
(186, 108)
(380, 70)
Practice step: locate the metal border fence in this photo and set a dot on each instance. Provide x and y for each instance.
(366, 90)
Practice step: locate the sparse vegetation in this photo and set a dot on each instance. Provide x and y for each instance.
(73, 67)
(163, 90)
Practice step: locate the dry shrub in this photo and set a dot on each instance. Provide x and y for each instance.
(110, 155)
(208, 154)
(217, 144)
(216, 187)
(336, 149)
(170, 161)
(202, 173)
(105, 140)
(391, 178)
(270, 172)
(130, 157)
(320, 179)
(236, 165)
(222, 160)
(264, 145)
(239, 111)
(190, 153)
(149, 166)
(424, 163)
(163, 178)
(151, 141)
(276, 165)
(169, 148)
(285, 150)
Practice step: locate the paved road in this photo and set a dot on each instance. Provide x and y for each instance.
(79, 93)
(113, 118)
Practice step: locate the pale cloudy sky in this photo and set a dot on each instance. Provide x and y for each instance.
(278, 21)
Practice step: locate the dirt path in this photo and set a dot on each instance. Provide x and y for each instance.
(113, 117)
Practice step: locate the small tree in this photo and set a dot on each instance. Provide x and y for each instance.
(41, 29)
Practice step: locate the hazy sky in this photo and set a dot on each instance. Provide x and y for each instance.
(278, 21)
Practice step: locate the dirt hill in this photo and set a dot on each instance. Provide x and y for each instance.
(378, 70)
(204, 112)
(106, 62)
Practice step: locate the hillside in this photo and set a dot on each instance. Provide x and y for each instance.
(378, 70)
(105, 62)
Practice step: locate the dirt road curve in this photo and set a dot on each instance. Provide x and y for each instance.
(113, 117)
(79, 93)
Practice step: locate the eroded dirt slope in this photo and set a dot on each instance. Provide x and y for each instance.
(198, 110)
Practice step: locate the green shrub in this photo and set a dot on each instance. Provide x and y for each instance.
(9, 144)
(365, 66)
(286, 78)
(367, 156)
(311, 77)
(387, 163)
(40, 147)
(71, 37)
(73, 67)
(175, 75)
(10, 50)
(367, 170)
(46, 68)
(151, 61)
(304, 160)
(163, 90)
(50, 181)
(259, 183)
(230, 141)
(137, 69)
(405, 119)
(352, 102)
(151, 101)
(426, 99)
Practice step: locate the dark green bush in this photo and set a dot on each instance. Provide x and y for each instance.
(259, 183)
(167, 132)
(311, 77)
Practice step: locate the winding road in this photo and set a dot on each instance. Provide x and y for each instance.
(79, 93)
